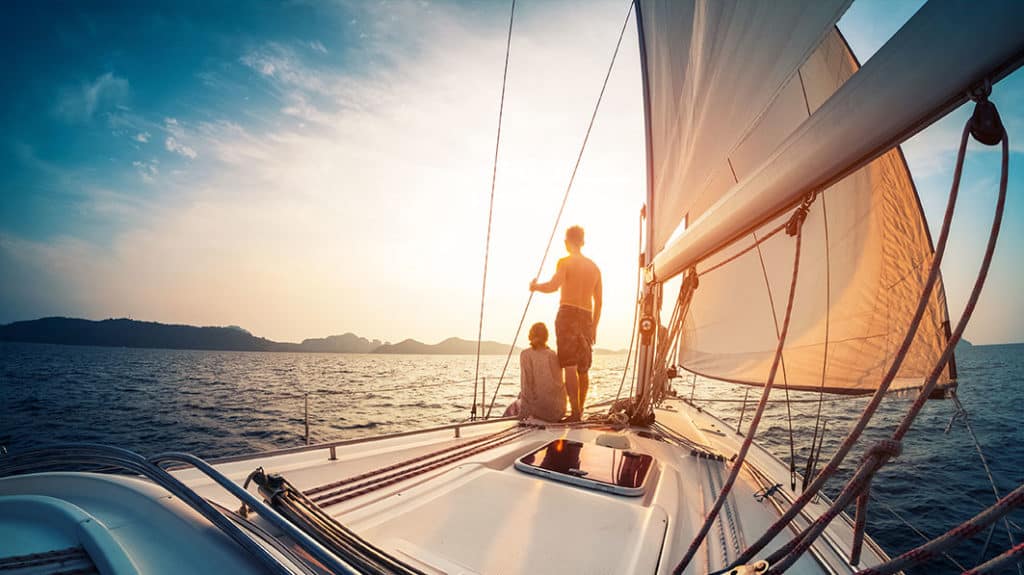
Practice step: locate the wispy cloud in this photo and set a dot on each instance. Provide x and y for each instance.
(80, 103)
(147, 170)
(396, 155)
(175, 141)
(317, 46)
(142, 137)
(173, 145)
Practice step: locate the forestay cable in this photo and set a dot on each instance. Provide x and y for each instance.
(490, 208)
(561, 208)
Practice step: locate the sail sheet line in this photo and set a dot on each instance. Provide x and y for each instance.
(744, 251)
(824, 358)
(785, 380)
(737, 464)
(869, 410)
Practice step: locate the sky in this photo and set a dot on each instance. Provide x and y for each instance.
(303, 169)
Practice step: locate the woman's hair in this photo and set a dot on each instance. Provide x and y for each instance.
(538, 335)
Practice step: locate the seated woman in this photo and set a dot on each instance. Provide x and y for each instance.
(542, 391)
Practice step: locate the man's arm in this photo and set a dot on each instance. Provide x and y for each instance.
(551, 285)
(598, 299)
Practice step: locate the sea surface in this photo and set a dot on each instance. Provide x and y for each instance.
(226, 403)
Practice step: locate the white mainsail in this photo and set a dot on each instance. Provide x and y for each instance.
(731, 86)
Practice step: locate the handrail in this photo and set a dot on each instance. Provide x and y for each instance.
(94, 454)
(310, 545)
(355, 440)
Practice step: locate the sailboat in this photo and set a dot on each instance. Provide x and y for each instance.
(777, 192)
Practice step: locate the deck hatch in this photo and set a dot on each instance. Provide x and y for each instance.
(589, 465)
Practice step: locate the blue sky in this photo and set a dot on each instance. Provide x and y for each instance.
(308, 168)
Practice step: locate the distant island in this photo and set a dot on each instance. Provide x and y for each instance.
(149, 334)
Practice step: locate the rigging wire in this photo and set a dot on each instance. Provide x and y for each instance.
(636, 312)
(879, 454)
(490, 208)
(824, 359)
(561, 208)
(869, 410)
(988, 471)
(785, 379)
(794, 228)
(920, 533)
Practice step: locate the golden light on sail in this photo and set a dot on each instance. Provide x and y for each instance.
(866, 248)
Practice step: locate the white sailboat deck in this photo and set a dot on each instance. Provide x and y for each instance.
(476, 514)
(481, 515)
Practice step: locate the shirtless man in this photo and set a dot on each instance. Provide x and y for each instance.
(579, 280)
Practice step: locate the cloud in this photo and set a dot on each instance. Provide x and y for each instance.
(173, 145)
(80, 104)
(142, 137)
(379, 202)
(316, 46)
(175, 142)
(148, 171)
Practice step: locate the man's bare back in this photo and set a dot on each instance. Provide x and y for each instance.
(579, 280)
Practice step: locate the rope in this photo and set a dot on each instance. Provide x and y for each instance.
(824, 359)
(869, 410)
(881, 452)
(785, 380)
(351, 492)
(490, 207)
(752, 430)
(561, 208)
(829, 400)
(918, 531)
(319, 489)
(651, 396)
(961, 532)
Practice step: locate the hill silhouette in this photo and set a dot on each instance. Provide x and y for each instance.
(148, 334)
(131, 333)
(450, 346)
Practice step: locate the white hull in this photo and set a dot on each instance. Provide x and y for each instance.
(477, 514)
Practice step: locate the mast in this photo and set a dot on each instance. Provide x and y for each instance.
(648, 313)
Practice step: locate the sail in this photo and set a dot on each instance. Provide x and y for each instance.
(712, 68)
(866, 247)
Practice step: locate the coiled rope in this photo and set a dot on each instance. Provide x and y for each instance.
(561, 208)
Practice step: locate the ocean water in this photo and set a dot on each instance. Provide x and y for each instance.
(226, 403)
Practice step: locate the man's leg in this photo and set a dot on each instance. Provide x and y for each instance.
(572, 388)
(584, 385)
